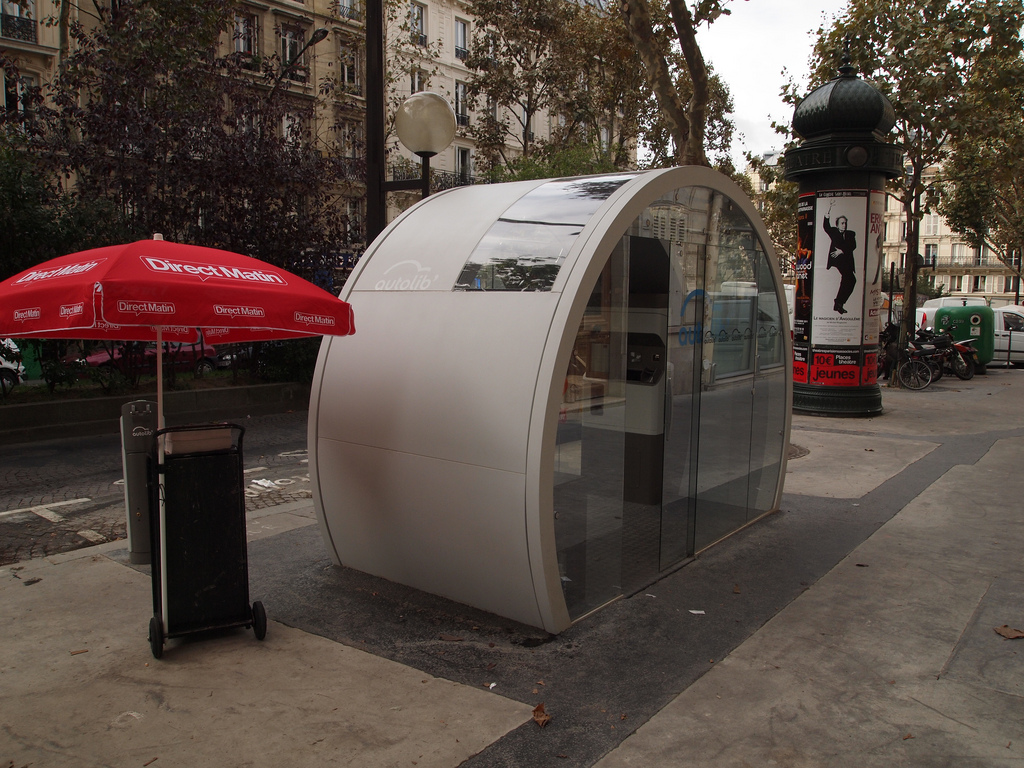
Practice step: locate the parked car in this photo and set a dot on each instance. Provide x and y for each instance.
(12, 372)
(200, 358)
(1009, 331)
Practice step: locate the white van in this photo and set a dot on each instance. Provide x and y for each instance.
(1009, 330)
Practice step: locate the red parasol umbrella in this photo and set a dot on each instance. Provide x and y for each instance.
(155, 290)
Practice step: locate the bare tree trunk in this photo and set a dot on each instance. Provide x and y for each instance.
(697, 108)
(637, 16)
(62, 30)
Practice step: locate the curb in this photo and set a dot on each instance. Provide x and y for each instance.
(30, 422)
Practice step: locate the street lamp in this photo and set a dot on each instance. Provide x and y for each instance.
(376, 186)
(317, 36)
(425, 124)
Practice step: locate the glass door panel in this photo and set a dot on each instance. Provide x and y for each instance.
(590, 448)
(727, 369)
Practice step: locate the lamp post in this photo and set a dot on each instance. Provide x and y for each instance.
(317, 36)
(424, 108)
(425, 124)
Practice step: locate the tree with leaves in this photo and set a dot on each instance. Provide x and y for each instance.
(930, 58)
(525, 65)
(981, 183)
(148, 121)
(683, 94)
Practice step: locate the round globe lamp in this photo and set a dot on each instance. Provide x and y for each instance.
(425, 124)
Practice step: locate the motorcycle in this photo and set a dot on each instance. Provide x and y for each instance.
(959, 357)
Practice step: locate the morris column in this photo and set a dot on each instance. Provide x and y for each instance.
(841, 164)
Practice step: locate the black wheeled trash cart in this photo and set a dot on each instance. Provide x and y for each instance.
(200, 561)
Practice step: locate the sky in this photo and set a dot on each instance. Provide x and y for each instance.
(749, 49)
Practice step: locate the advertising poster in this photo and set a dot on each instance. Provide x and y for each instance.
(802, 304)
(873, 286)
(837, 306)
(836, 366)
(840, 288)
(873, 268)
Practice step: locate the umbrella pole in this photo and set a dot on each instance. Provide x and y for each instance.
(159, 377)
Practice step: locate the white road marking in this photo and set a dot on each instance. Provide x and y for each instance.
(43, 510)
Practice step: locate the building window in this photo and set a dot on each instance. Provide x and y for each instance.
(903, 231)
(461, 103)
(464, 164)
(351, 138)
(931, 225)
(18, 97)
(417, 81)
(348, 71)
(931, 254)
(347, 10)
(956, 283)
(978, 284)
(959, 254)
(19, 21)
(418, 23)
(245, 34)
(1009, 283)
(291, 129)
(292, 40)
(461, 39)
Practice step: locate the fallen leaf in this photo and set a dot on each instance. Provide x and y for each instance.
(30, 582)
(1009, 632)
(451, 638)
(869, 449)
(84, 650)
(540, 716)
(151, 761)
(492, 665)
(622, 716)
(908, 736)
(735, 589)
(536, 690)
(863, 565)
(540, 682)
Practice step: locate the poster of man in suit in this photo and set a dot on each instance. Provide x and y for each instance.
(838, 268)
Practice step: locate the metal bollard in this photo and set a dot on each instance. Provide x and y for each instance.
(138, 447)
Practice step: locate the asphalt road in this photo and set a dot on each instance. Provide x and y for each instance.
(60, 495)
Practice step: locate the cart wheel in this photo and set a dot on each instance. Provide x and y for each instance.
(259, 620)
(156, 637)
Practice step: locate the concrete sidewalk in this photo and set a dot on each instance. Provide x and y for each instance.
(888, 657)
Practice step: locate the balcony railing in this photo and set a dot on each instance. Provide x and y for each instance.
(350, 13)
(461, 53)
(462, 118)
(19, 28)
(968, 260)
(439, 180)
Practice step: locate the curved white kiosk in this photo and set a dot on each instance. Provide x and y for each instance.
(559, 391)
